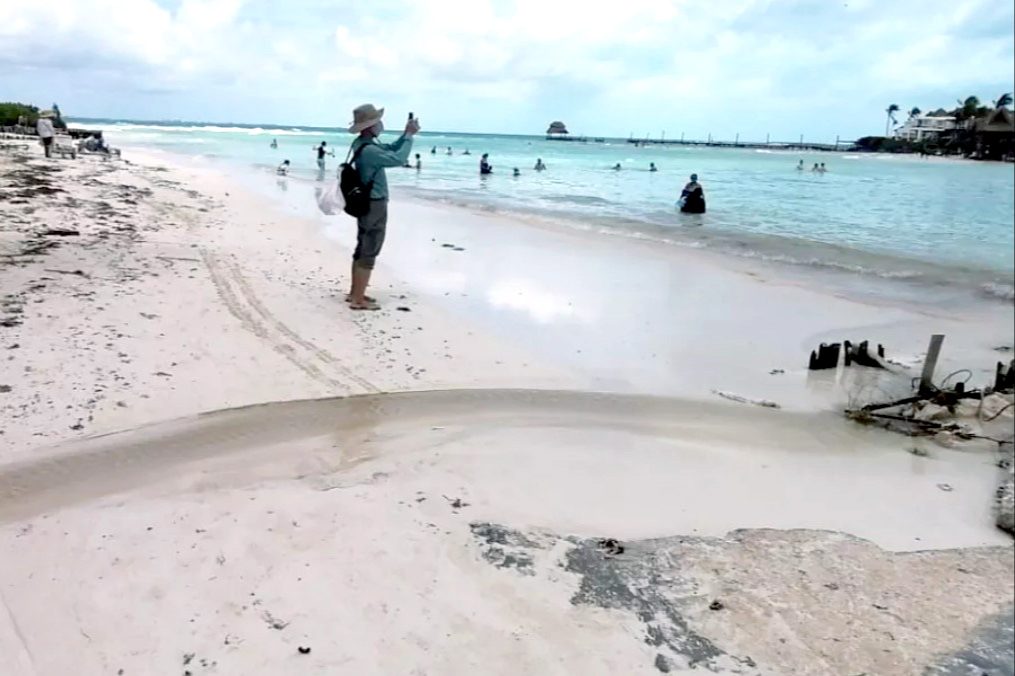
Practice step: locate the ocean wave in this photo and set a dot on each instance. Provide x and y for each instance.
(215, 129)
(1000, 291)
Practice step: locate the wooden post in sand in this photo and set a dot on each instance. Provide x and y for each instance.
(929, 364)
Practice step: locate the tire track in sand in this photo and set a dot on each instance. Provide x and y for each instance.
(243, 303)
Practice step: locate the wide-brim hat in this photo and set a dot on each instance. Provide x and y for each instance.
(47, 113)
(365, 117)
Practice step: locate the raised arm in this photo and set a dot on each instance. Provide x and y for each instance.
(390, 154)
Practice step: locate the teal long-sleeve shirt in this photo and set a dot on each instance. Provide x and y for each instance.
(375, 157)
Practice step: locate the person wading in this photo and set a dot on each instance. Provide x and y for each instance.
(370, 163)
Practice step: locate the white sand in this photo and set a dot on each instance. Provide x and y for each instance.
(334, 517)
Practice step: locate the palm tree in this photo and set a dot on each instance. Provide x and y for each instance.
(1003, 101)
(891, 110)
(914, 112)
(967, 109)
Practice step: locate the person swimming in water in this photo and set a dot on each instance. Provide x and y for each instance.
(652, 166)
(449, 151)
(274, 144)
(283, 169)
(616, 167)
(517, 173)
(692, 199)
(433, 151)
(539, 165)
(816, 168)
(466, 152)
(822, 168)
(800, 167)
(484, 165)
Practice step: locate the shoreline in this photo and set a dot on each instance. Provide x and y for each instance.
(910, 276)
(201, 431)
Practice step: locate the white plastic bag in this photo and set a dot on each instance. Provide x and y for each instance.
(330, 200)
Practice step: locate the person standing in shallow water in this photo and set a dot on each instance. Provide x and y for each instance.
(692, 199)
(371, 162)
(484, 165)
(322, 150)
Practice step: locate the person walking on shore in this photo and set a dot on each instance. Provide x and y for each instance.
(371, 158)
(45, 130)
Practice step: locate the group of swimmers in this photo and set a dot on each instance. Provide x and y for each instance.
(485, 168)
(433, 151)
(651, 167)
(692, 199)
(819, 167)
(322, 150)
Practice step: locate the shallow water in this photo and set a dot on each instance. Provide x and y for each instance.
(933, 221)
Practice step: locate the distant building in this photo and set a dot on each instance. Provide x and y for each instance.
(925, 127)
(994, 135)
(558, 132)
(556, 129)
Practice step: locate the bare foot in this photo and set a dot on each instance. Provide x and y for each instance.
(366, 305)
(348, 298)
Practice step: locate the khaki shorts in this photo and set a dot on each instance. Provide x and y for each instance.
(370, 231)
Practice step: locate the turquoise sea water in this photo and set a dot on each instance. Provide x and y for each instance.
(933, 221)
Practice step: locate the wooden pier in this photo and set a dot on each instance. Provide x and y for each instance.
(839, 146)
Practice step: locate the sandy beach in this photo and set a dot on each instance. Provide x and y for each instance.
(209, 465)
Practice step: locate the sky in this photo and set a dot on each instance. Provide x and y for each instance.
(820, 68)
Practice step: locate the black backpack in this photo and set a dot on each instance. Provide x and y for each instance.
(355, 192)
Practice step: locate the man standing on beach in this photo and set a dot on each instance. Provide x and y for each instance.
(45, 130)
(370, 162)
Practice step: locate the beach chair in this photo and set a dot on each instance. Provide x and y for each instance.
(62, 148)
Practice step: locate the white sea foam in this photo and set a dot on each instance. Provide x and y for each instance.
(996, 290)
(212, 129)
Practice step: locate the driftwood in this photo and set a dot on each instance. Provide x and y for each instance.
(764, 403)
(79, 273)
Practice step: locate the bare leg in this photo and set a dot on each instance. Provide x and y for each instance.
(352, 279)
(360, 281)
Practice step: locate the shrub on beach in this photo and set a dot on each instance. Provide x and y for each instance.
(10, 113)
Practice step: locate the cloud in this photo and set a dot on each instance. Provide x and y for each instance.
(720, 66)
